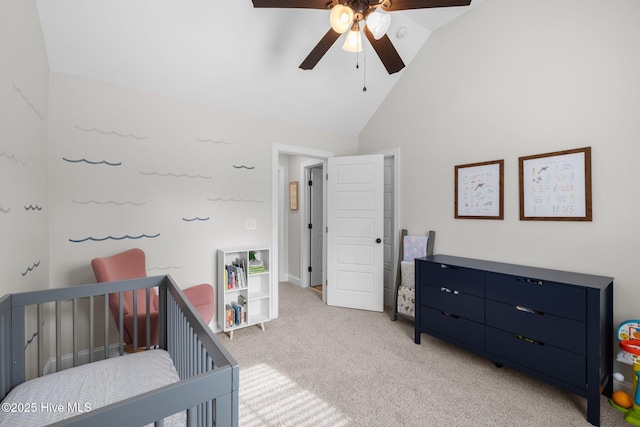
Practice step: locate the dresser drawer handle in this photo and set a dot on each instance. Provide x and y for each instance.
(527, 280)
(451, 267)
(529, 310)
(529, 340)
(444, 313)
(449, 291)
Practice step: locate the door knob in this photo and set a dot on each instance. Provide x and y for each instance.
(378, 240)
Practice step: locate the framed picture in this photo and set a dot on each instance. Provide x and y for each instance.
(556, 186)
(293, 195)
(479, 189)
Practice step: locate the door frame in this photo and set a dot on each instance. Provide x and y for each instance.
(305, 252)
(395, 154)
(291, 150)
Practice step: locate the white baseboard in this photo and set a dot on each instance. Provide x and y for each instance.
(625, 386)
(293, 279)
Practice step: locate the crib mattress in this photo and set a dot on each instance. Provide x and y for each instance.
(67, 393)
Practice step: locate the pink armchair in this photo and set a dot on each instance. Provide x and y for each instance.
(131, 265)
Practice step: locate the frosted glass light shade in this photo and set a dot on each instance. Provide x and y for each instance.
(353, 42)
(378, 23)
(341, 18)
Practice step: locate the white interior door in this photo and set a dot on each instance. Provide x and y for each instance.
(355, 232)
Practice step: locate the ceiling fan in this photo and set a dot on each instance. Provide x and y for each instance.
(348, 14)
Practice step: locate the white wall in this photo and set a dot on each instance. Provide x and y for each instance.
(515, 78)
(167, 161)
(24, 118)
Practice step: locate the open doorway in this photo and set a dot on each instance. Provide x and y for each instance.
(294, 264)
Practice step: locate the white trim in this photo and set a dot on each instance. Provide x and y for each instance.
(305, 195)
(395, 153)
(276, 150)
(293, 279)
(281, 212)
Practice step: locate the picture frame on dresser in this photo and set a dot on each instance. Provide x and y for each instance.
(556, 186)
(479, 190)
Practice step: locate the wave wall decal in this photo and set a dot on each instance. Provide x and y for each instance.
(13, 158)
(102, 162)
(26, 99)
(214, 141)
(243, 167)
(5, 210)
(173, 175)
(197, 218)
(30, 340)
(33, 208)
(112, 132)
(30, 269)
(231, 199)
(108, 202)
(102, 239)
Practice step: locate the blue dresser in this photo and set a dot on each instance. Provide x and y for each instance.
(554, 325)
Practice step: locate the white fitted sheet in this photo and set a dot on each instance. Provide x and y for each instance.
(97, 384)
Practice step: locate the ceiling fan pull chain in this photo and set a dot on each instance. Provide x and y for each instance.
(364, 70)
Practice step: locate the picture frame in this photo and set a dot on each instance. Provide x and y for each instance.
(556, 186)
(479, 190)
(293, 195)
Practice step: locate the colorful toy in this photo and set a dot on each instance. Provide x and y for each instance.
(629, 338)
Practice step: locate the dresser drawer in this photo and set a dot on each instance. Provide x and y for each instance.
(455, 302)
(560, 332)
(459, 279)
(546, 297)
(457, 328)
(549, 360)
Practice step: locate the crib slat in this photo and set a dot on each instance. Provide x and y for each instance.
(121, 323)
(91, 343)
(162, 315)
(148, 318)
(106, 326)
(17, 345)
(40, 342)
(5, 330)
(74, 329)
(191, 417)
(58, 336)
(135, 320)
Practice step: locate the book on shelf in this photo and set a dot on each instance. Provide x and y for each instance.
(234, 275)
(235, 314)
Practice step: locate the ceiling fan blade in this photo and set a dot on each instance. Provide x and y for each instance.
(422, 4)
(385, 50)
(321, 48)
(299, 4)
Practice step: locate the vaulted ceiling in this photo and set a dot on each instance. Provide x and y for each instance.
(230, 55)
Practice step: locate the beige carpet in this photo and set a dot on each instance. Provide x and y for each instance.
(324, 366)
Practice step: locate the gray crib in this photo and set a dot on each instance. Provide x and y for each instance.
(73, 323)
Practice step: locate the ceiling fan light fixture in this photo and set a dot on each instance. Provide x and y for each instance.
(353, 41)
(341, 18)
(378, 23)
